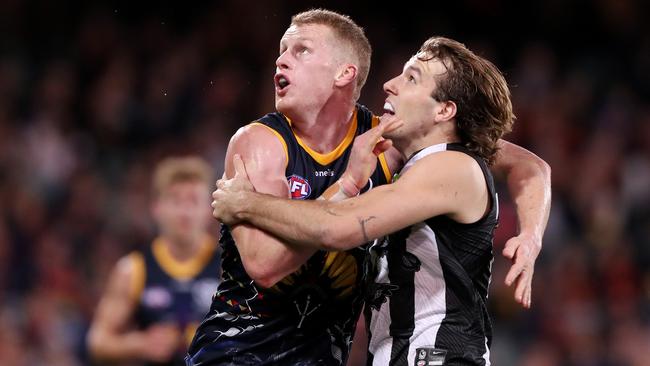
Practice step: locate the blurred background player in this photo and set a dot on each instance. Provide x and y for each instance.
(155, 298)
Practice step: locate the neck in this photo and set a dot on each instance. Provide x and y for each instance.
(324, 129)
(410, 146)
(182, 249)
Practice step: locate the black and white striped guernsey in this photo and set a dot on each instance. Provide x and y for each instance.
(431, 285)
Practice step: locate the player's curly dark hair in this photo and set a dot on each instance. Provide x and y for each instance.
(479, 90)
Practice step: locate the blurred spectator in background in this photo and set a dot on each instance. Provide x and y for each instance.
(155, 298)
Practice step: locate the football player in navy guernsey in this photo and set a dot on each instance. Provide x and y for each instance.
(156, 298)
(431, 272)
(289, 305)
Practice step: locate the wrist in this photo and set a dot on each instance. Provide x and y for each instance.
(348, 186)
(135, 344)
(533, 236)
(245, 205)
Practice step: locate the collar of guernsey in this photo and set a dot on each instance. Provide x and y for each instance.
(419, 155)
(328, 158)
(188, 268)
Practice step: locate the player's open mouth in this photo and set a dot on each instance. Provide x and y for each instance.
(281, 82)
(388, 108)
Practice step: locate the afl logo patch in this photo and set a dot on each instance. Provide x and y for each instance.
(299, 187)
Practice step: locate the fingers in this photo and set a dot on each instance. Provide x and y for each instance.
(528, 295)
(520, 291)
(240, 167)
(521, 271)
(524, 290)
(391, 125)
(513, 273)
(511, 248)
(374, 137)
(382, 146)
(375, 134)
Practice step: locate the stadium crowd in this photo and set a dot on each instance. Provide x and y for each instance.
(92, 96)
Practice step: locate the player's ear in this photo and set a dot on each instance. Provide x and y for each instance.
(445, 111)
(347, 74)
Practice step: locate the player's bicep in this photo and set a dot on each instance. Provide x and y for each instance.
(266, 259)
(265, 157)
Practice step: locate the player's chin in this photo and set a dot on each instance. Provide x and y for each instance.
(392, 135)
(283, 105)
(280, 103)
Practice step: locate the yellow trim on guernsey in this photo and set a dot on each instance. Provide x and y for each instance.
(138, 276)
(327, 158)
(182, 270)
(382, 157)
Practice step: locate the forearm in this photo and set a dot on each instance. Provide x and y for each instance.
(300, 224)
(530, 187)
(104, 346)
(265, 257)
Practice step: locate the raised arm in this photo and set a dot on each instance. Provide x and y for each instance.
(529, 182)
(265, 258)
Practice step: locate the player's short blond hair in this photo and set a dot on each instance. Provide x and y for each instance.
(346, 30)
(181, 169)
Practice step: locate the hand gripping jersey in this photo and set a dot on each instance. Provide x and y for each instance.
(308, 318)
(428, 302)
(175, 293)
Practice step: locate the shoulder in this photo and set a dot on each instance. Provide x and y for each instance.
(259, 143)
(258, 134)
(127, 265)
(129, 274)
(455, 168)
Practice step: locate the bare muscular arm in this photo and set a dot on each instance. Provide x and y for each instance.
(529, 183)
(265, 258)
(112, 336)
(383, 210)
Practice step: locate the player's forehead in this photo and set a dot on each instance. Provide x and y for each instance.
(306, 33)
(424, 64)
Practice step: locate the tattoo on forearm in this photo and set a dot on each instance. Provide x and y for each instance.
(363, 222)
(331, 212)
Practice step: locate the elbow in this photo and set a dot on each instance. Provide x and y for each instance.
(546, 169)
(264, 273)
(542, 169)
(266, 282)
(533, 167)
(94, 344)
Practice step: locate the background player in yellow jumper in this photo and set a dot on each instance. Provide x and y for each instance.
(155, 298)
